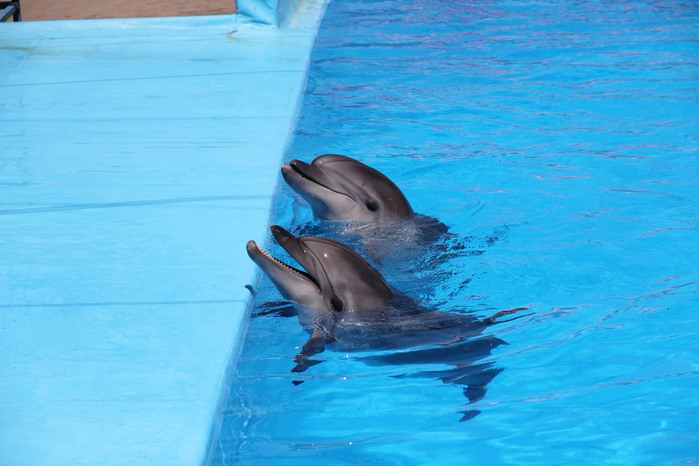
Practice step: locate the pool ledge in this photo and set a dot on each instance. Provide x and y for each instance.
(139, 157)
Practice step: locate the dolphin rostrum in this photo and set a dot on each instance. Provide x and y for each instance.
(346, 305)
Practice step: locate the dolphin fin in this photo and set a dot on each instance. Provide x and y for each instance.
(302, 366)
(276, 308)
(314, 345)
(470, 414)
(493, 319)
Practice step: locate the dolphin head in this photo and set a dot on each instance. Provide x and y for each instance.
(335, 278)
(341, 188)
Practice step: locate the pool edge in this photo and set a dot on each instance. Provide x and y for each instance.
(224, 375)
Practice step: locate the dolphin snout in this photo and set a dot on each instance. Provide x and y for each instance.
(251, 247)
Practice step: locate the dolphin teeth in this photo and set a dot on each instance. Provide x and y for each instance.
(270, 256)
(300, 175)
(294, 270)
(316, 182)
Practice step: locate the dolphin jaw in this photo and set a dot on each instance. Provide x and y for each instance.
(294, 168)
(255, 250)
(326, 202)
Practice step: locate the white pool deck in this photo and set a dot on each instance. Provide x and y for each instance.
(138, 156)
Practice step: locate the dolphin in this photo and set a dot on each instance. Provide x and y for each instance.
(340, 188)
(346, 305)
(362, 207)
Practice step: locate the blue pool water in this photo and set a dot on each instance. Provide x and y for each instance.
(558, 141)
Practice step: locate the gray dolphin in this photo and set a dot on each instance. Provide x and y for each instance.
(339, 188)
(346, 305)
(362, 207)
(335, 278)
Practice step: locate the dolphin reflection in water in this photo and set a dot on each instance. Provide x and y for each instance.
(346, 305)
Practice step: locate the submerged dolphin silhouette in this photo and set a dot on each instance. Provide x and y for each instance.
(346, 305)
(340, 188)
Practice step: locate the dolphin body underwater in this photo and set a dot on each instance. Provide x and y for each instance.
(346, 305)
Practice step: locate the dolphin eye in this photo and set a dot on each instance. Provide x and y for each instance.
(372, 205)
(336, 304)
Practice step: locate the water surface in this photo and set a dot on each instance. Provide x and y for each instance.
(558, 141)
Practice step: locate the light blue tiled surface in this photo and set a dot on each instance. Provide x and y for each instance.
(138, 157)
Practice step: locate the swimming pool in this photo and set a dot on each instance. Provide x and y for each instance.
(558, 140)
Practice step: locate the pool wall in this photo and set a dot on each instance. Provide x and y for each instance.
(138, 157)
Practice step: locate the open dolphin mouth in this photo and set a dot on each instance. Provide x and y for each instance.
(253, 248)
